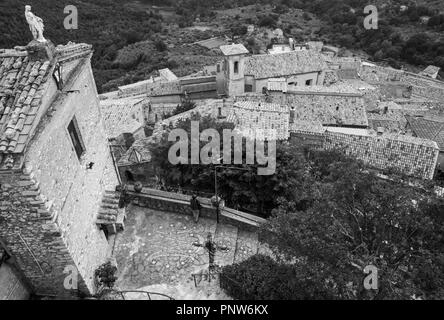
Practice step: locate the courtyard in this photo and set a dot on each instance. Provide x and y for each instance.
(157, 252)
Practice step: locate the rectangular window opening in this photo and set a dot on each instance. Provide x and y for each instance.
(76, 138)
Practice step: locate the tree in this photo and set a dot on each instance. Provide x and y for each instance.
(160, 45)
(364, 220)
(262, 278)
(243, 189)
(268, 21)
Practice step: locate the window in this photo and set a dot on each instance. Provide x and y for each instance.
(74, 133)
(308, 82)
(218, 68)
(248, 88)
(236, 67)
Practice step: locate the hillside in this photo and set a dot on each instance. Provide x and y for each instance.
(132, 38)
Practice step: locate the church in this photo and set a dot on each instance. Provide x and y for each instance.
(242, 73)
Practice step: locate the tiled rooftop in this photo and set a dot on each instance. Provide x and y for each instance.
(261, 120)
(138, 153)
(328, 109)
(308, 126)
(428, 129)
(284, 64)
(119, 116)
(261, 106)
(430, 71)
(21, 91)
(233, 49)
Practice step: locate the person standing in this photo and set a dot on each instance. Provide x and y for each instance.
(195, 207)
(211, 246)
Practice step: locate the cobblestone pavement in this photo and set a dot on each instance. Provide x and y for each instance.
(156, 249)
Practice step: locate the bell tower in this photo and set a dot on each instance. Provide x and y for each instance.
(234, 66)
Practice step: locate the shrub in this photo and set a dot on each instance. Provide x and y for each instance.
(105, 275)
(262, 278)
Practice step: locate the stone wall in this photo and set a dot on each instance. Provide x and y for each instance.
(180, 203)
(11, 285)
(28, 229)
(73, 192)
(411, 156)
(48, 209)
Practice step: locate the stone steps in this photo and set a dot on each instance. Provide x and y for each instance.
(226, 235)
(109, 215)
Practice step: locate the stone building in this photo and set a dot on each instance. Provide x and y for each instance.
(252, 73)
(125, 115)
(329, 108)
(429, 128)
(261, 120)
(135, 164)
(55, 165)
(408, 155)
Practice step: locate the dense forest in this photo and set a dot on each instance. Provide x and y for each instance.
(402, 36)
(129, 39)
(108, 25)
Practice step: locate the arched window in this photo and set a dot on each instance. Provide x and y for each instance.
(236, 67)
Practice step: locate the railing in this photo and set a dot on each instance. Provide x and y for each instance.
(148, 294)
(206, 275)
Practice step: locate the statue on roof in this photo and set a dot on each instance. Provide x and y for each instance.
(35, 25)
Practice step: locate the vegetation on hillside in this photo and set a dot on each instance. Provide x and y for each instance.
(357, 219)
(132, 40)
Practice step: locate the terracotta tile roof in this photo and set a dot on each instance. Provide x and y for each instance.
(121, 115)
(139, 152)
(329, 109)
(284, 64)
(261, 120)
(233, 49)
(308, 126)
(428, 129)
(21, 91)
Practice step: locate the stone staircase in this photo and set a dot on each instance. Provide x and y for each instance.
(110, 216)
